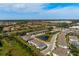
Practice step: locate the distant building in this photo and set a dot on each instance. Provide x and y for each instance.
(74, 41)
(26, 38)
(75, 31)
(37, 32)
(76, 27)
(60, 21)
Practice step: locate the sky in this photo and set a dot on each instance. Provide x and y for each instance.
(39, 11)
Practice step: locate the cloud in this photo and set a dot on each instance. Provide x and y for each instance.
(21, 7)
(39, 11)
(65, 13)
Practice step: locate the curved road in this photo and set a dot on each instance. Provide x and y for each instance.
(51, 44)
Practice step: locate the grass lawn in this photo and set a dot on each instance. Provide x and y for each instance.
(13, 47)
(5, 48)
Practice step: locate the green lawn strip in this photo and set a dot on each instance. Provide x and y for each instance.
(53, 33)
(57, 45)
(67, 39)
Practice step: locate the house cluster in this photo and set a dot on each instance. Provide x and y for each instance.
(26, 26)
(34, 42)
(8, 28)
(38, 32)
(11, 28)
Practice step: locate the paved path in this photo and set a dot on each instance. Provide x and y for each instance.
(51, 45)
(62, 44)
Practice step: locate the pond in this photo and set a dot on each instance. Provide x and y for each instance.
(44, 37)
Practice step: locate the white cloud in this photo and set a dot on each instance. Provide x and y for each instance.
(22, 7)
(36, 11)
(67, 12)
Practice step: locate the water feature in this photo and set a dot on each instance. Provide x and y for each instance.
(44, 37)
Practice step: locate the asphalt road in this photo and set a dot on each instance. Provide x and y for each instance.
(51, 44)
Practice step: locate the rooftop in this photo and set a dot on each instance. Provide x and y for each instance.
(73, 38)
(37, 43)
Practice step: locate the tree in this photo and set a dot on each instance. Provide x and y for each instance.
(63, 25)
(74, 50)
(50, 28)
(1, 28)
